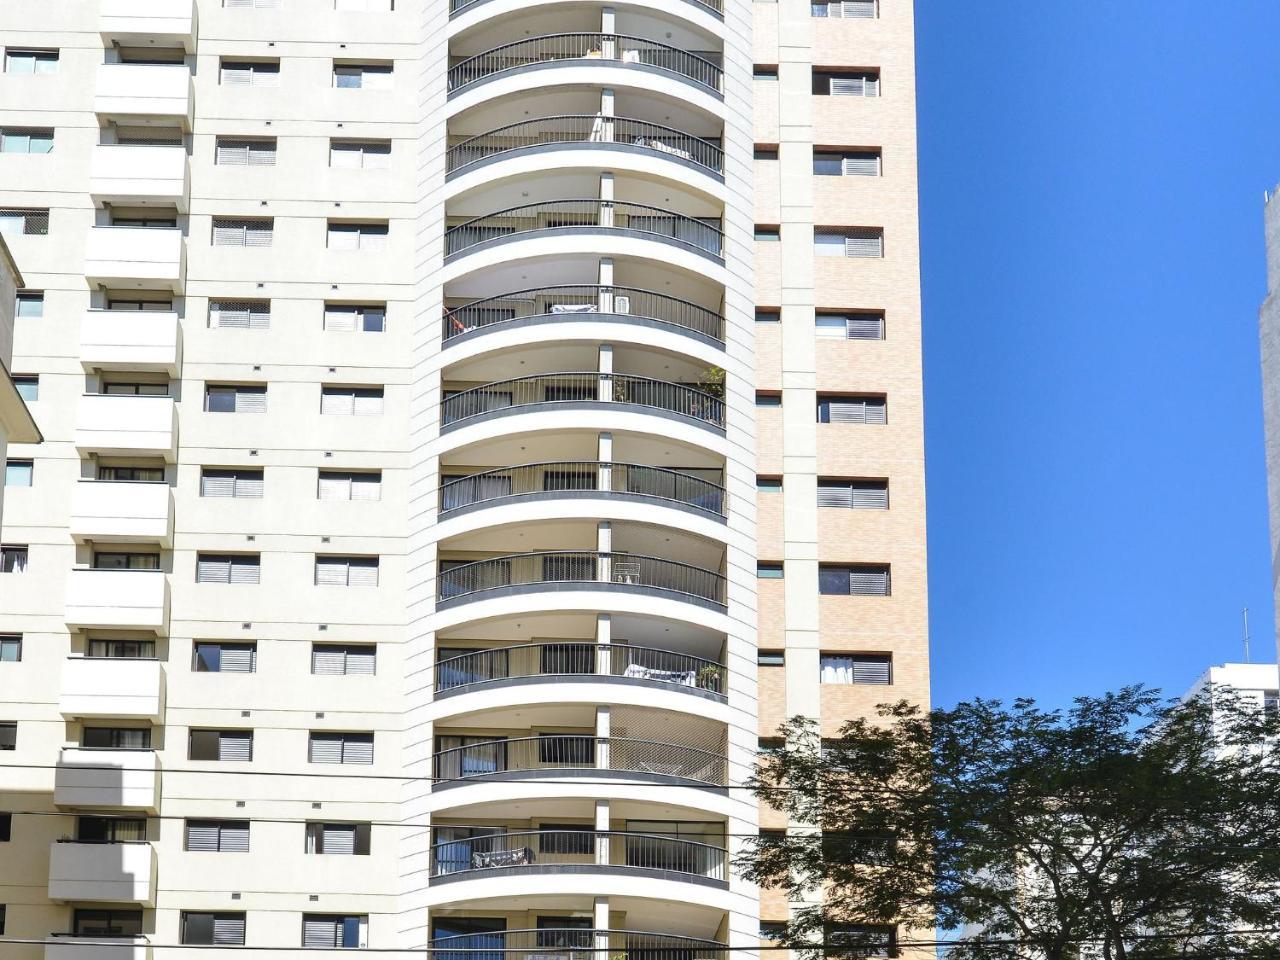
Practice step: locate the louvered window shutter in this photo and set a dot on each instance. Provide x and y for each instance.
(869, 581)
(340, 319)
(864, 326)
(245, 570)
(335, 487)
(337, 402)
(346, 155)
(264, 74)
(869, 495)
(376, 156)
(864, 243)
(328, 660)
(331, 572)
(339, 838)
(235, 74)
(233, 837)
(321, 931)
(251, 399)
(325, 748)
(202, 836)
(213, 570)
(362, 572)
(357, 748)
(249, 484)
(240, 314)
(847, 411)
(258, 233)
(859, 9)
(860, 165)
(344, 236)
(361, 661)
(231, 152)
(238, 658)
(871, 670)
(262, 153)
(835, 495)
(373, 236)
(228, 233)
(218, 483)
(366, 486)
(367, 403)
(235, 745)
(875, 410)
(847, 86)
(228, 928)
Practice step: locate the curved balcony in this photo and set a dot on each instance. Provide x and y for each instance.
(589, 216)
(581, 478)
(577, 301)
(589, 48)
(545, 390)
(597, 851)
(592, 129)
(574, 754)
(590, 569)
(577, 661)
(623, 944)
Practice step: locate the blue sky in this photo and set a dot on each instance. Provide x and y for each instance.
(1092, 182)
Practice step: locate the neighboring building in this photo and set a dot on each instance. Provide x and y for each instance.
(1256, 682)
(409, 562)
(16, 425)
(1269, 335)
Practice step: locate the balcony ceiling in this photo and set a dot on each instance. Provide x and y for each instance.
(582, 99)
(573, 358)
(628, 447)
(520, 191)
(681, 636)
(652, 541)
(687, 919)
(580, 18)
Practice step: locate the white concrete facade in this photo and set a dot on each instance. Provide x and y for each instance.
(390, 571)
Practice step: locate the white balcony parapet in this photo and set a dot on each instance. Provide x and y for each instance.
(149, 21)
(108, 872)
(145, 91)
(109, 511)
(117, 425)
(136, 256)
(139, 174)
(131, 340)
(118, 599)
(107, 778)
(100, 948)
(102, 687)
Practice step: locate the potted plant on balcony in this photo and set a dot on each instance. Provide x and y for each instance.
(709, 678)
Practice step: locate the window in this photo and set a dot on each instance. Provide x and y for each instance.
(30, 303)
(347, 571)
(17, 473)
(13, 558)
(852, 410)
(28, 387)
(26, 140)
(257, 4)
(224, 657)
(31, 61)
(245, 152)
(357, 236)
(858, 83)
(235, 398)
(123, 389)
(850, 326)
(772, 929)
(111, 829)
(340, 748)
(130, 474)
(861, 242)
(125, 560)
(213, 928)
(122, 649)
(853, 494)
(326, 931)
(220, 745)
(351, 401)
(764, 73)
(217, 836)
(769, 484)
(10, 647)
(765, 153)
(8, 736)
(363, 154)
(106, 923)
(6, 827)
(159, 305)
(769, 571)
(349, 839)
(860, 580)
(856, 668)
(225, 482)
(768, 398)
(768, 315)
(366, 76)
(848, 940)
(769, 234)
(243, 231)
(116, 738)
(228, 568)
(859, 163)
(336, 659)
(349, 485)
(770, 658)
(847, 9)
(249, 73)
(240, 314)
(355, 318)
(18, 221)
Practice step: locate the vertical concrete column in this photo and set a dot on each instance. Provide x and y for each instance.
(604, 634)
(605, 304)
(604, 454)
(609, 44)
(602, 827)
(606, 116)
(606, 199)
(602, 757)
(600, 920)
(606, 373)
(604, 545)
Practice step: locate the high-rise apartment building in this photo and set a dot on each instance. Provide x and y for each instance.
(1269, 335)
(16, 424)
(470, 427)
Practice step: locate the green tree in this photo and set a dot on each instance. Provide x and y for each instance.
(1127, 827)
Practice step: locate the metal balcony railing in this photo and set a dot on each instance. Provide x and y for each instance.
(580, 387)
(558, 752)
(608, 849)
(563, 477)
(612, 47)
(704, 234)
(576, 658)
(586, 128)
(581, 566)
(574, 943)
(572, 300)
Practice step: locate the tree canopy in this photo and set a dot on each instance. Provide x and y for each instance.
(1127, 827)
